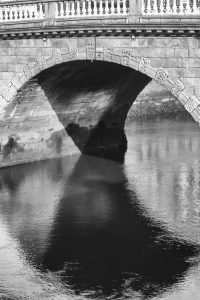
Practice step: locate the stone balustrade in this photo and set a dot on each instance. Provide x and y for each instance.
(170, 7)
(24, 11)
(131, 10)
(88, 8)
(21, 12)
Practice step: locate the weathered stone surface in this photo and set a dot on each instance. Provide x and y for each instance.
(44, 72)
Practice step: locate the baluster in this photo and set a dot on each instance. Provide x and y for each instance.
(62, 9)
(168, 8)
(143, 7)
(15, 13)
(1, 14)
(148, 8)
(106, 7)
(35, 13)
(72, 9)
(112, 7)
(118, 7)
(89, 11)
(194, 7)
(124, 7)
(187, 7)
(41, 14)
(11, 13)
(174, 7)
(84, 8)
(57, 9)
(95, 8)
(20, 12)
(161, 7)
(100, 8)
(155, 7)
(181, 8)
(109, 7)
(6, 14)
(78, 10)
(66, 9)
(75, 9)
(30, 10)
(32, 13)
(24, 13)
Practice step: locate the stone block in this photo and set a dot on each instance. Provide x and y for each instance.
(176, 72)
(16, 68)
(197, 90)
(190, 62)
(192, 73)
(33, 51)
(151, 72)
(24, 59)
(5, 51)
(15, 51)
(47, 51)
(196, 115)
(6, 75)
(181, 52)
(160, 42)
(113, 42)
(9, 59)
(194, 52)
(3, 67)
(166, 62)
(192, 42)
(8, 43)
(183, 98)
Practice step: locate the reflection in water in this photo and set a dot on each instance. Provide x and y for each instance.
(89, 228)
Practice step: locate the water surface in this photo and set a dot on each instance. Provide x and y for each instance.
(87, 228)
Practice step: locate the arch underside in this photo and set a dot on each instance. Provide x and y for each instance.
(90, 93)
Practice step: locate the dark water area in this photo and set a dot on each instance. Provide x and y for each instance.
(83, 227)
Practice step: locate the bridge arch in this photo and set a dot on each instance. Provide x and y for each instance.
(118, 55)
(136, 70)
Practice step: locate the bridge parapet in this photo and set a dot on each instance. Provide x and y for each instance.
(170, 7)
(32, 10)
(133, 11)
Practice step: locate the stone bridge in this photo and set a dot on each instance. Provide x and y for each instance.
(70, 71)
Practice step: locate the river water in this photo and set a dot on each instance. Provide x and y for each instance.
(87, 228)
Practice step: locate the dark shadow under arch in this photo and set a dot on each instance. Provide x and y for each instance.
(91, 100)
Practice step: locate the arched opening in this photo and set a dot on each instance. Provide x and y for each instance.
(91, 101)
(72, 107)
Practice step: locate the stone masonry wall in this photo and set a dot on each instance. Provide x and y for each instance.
(37, 121)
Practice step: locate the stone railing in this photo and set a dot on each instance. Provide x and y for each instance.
(89, 8)
(21, 12)
(134, 10)
(15, 11)
(170, 7)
